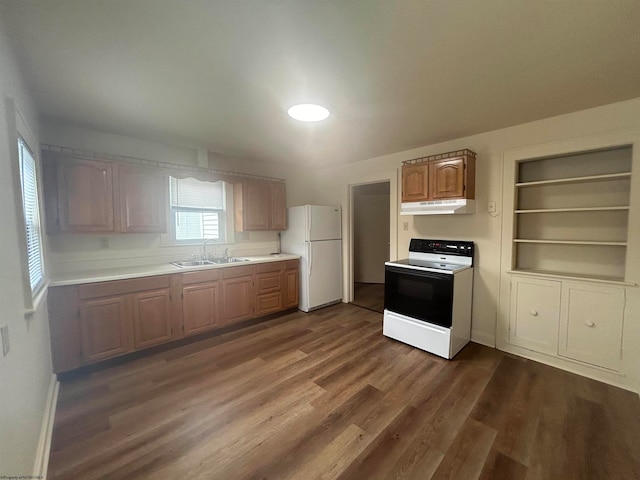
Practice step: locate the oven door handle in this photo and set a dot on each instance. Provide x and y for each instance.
(416, 272)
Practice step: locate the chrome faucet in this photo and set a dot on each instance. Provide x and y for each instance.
(226, 254)
(204, 248)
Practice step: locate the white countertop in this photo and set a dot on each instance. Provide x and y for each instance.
(122, 273)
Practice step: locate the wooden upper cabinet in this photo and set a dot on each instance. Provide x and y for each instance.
(415, 183)
(94, 196)
(85, 198)
(278, 204)
(440, 179)
(259, 205)
(142, 199)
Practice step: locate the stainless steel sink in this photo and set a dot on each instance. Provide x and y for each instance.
(230, 260)
(215, 261)
(193, 263)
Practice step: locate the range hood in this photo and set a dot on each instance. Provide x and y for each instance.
(438, 207)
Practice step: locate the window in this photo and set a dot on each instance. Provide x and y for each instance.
(29, 183)
(197, 210)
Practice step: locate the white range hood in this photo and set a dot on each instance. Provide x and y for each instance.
(438, 207)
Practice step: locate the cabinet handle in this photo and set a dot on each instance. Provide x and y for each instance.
(589, 323)
(533, 312)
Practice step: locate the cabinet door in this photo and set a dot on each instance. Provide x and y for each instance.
(415, 183)
(278, 206)
(105, 328)
(446, 178)
(238, 299)
(151, 318)
(535, 314)
(290, 289)
(143, 200)
(591, 324)
(255, 205)
(85, 196)
(201, 307)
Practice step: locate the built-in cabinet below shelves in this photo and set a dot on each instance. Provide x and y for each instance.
(571, 214)
(580, 321)
(93, 322)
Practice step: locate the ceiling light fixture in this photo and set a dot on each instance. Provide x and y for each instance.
(307, 112)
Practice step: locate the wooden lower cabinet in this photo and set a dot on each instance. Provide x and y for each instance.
(151, 318)
(105, 328)
(201, 307)
(97, 321)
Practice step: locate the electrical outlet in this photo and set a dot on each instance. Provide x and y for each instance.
(491, 208)
(405, 226)
(104, 243)
(6, 344)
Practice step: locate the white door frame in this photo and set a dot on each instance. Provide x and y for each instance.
(392, 178)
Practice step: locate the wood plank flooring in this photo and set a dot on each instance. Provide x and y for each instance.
(326, 396)
(369, 295)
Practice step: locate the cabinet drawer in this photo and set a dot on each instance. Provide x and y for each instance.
(119, 287)
(268, 303)
(269, 267)
(232, 272)
(210, 275)
(268, 282)
(291, 264)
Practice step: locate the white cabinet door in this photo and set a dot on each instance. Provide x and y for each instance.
(591, 324)
(535, 314)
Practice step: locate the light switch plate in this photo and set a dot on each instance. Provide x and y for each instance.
(6, 345)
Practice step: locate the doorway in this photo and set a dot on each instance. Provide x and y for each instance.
(371, 240)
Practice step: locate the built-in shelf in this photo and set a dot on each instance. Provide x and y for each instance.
(571, 214)
(570, 242)
(590, 178)
(581, 209)
(571, 276)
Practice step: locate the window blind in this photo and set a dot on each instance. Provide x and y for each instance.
(192, 193)
(29, 183)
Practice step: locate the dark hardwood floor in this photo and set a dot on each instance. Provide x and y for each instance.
(369, 295)
(326, 395)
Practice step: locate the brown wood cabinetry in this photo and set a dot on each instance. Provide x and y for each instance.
(95, 196)
(201, 301)
(96, 321)
(415, 183)
(85, 201)
(142, 199)
(438, 179)
(268, 288)
(291, 284)
(238, 293)
(151, 318)
(259, 205)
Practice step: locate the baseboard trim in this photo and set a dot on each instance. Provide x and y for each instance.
(483, 339)
(44, 443)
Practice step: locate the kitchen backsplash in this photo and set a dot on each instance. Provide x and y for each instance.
(74, 253)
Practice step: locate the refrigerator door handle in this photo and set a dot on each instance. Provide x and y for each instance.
(310, 257)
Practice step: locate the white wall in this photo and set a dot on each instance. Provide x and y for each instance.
(26, 372)
(482, 228)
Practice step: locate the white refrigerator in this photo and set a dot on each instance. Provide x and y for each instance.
(314, 233)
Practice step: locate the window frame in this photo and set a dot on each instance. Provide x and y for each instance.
(226, 229)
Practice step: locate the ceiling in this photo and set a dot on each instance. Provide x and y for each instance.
(395, 74)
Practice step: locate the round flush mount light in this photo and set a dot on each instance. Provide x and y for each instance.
(307, 112)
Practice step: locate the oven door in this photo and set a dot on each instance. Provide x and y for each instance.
(422, 295)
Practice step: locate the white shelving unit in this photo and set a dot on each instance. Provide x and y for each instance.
(571, 214)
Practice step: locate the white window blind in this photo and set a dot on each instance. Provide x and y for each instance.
(29, 182)
(197, 209)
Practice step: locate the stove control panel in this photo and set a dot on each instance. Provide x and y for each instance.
(447, 247)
